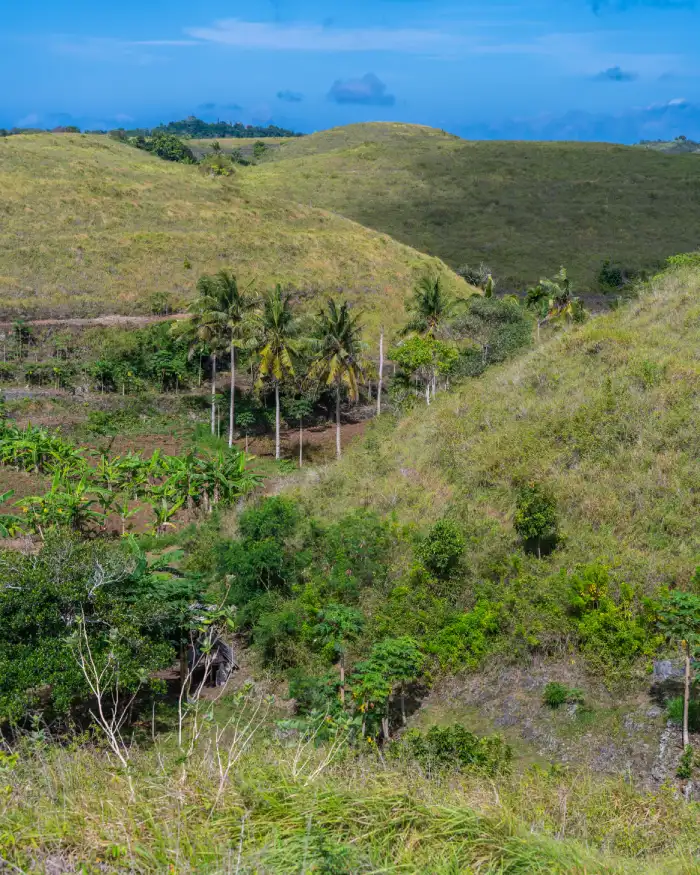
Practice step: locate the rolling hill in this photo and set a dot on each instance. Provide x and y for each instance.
(524, 208)
(92, 226)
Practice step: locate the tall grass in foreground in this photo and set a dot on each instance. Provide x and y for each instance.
(71, 809)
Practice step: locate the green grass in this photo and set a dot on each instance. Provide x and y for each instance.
(92, 226)
(604, 414)
(523, 208)
(67, 808)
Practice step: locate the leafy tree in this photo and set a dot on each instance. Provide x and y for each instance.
(425, 358)
(336, 627)
(278, 347)
(226, 309)
(259, 149)
(106, 590)
(476, 276)
(442, 548)
(338, 354)
(536, 517)
(245, 420)
(679, 621)
(392, 664)
(169, 148)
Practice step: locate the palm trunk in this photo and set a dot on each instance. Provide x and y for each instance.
(381, 372)
(277, 420)
(213, 394)
(232, 405)
(301, 442)
(342, 679)
(686, 697)
(427, 393)
(338, 449)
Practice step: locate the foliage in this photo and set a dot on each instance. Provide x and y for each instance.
(165, 146)
(496, 330)
(196, 128)
(466, 640)
(686, 764)
(535, 517)
(477, 276)
(431, 306)
(70, 585)
(555, 695)
(442, 548)
(444, 748)
(674, 711)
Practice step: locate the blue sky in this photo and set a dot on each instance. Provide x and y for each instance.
(579, 69)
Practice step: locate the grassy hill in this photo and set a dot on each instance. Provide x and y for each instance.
(605, 414)
(523, 208)
(93, 226)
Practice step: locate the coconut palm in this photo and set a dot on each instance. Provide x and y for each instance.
(278, 346)
(431, 307)
(339, 354)
(225, 312)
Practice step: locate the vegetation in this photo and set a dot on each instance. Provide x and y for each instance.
(523, 208)
(113, 226)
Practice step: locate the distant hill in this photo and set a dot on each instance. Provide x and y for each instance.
(524, 208)
(679, 146)
(92, 226)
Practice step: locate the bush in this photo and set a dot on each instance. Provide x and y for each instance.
(465, 641)
(555, 695)
(272, 518)
(536, 518)
(442, 548)
(454, 748)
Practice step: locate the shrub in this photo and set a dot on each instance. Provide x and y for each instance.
(536, 518)
(442, 548)
(455, 748)
(686, 764)
(465, 641)
(555, 695)
(273, 518)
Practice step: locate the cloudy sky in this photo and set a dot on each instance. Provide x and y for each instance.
(579, 69)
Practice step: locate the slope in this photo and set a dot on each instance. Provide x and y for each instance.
(605, 415)
(523, 208)
(92, 226)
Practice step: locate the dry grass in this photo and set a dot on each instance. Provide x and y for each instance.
(92, 226)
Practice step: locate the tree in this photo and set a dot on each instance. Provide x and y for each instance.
(337, 626)
(277, 346)
(425, 358)
(338, 354)
(226, 310)
(431, 307)
(553, 300)
(476, 276)
(536, 517)
(245, 420)
(679, 621)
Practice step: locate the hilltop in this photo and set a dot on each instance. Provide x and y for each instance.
(93, 226)
(524, 208)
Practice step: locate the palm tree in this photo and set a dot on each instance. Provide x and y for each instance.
(225, 309)
(201, 334)
(277, 346)
(339, 355)
(431, 307)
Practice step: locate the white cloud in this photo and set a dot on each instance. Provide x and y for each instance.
(316, 38)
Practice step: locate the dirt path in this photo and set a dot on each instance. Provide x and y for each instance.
(99, 321)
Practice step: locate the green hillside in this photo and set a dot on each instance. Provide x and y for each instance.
(523, 208)
(92, 226)
(605, 415)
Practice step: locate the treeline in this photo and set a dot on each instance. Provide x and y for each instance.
(189, 128)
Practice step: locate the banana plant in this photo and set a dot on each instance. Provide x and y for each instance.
(10, 524)
(65, 504)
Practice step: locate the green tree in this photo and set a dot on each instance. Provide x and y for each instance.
(679, 621)
(430, 307)
(245, 420)
(278, 346)
(338, 359)
(337, 626)
(424, 358)
(536, 517)
(226, 310)
(553, 300)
